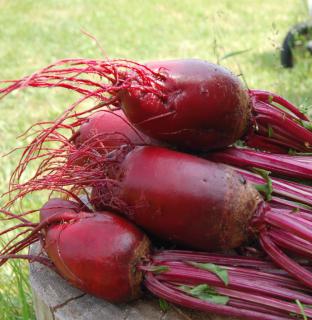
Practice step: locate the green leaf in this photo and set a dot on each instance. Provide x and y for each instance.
(239, 143)
(205, 293)
(164, 305)
(262, 188)
(270, 131)
(263, 173)
(270, 98)
(222, 273)
(301, 309)
(158, 269)
(294, 153)
(233, 53)
(307, 124)
(267, 188)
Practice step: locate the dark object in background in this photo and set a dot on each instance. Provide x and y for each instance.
(299, 36)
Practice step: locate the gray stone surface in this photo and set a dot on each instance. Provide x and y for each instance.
(55, 299)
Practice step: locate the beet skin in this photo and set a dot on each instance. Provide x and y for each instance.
(111, 129)
(97, 253)
(183, 198)
(206, 106)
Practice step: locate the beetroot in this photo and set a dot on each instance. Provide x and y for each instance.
(205, 107)
(108, 130)
(98, 253)
(56, 205)
(105, 126)
(183, 198)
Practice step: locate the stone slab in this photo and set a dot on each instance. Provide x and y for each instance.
(55, 299)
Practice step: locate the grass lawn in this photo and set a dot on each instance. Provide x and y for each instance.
(36, 33)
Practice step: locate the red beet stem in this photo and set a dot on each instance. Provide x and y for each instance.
(269, 117)
(291, 166)
(288, 222)
(238, 280)
(266, 144)
(270, 97)
(184, 255)
(177, 297)
(253, 306)
(288, 241)
(281, 123)
(288, 189)
(273, 294)
(299, 231)
(265, 301)
(281, 259)
(253, 268)
(297, 208)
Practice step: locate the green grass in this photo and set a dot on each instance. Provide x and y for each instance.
(35, 33)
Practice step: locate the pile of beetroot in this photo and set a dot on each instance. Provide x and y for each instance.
(152, 149)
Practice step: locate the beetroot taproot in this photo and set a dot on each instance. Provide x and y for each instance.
(182, 198)
(108, 130)
(205, 107)
(90, 240)
(106, 126)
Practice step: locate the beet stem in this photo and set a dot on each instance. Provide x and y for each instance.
(272, 97)
(283, 261)
(179, 298)
(288, 222)
(237, 280)
(292, 166)
(288, 120)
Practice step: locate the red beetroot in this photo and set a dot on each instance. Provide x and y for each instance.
(107, 256)
(182, 198)
(59, 206)
(102, 236)
(98, 253)
(107, 240)
(205, 107)
(106, 126)
(108, 130)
